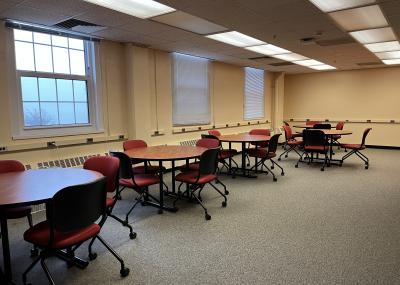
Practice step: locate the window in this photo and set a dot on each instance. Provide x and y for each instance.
(254, 94)
(191, 97)
(55, 83)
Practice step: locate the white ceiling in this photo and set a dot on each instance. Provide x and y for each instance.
(279, 22)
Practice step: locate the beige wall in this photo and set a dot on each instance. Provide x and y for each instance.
(357, 96)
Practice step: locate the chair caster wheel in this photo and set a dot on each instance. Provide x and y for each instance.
(224, 204)
(275, 179)
(92, 256)
(366, 167)
(322, 169)
(34, 252)
(286, 156)
(283, 174)
(226, 192)
(124, 272)
(160, 211)
(132, 235)
(208, 217)
(279, 159)
(272, 167)
(296, 166)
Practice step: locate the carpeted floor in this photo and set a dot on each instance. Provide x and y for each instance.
(341, 226)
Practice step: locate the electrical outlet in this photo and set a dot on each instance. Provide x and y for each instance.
(121, 137)
(89, 140)
(3, 148)
(51, 144)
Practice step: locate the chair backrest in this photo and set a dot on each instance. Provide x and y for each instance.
(322, 126)
(273, 143)
(288, 132)
(11, 166)
(125, 165)
(314, 138)
(208, 161)
(214, 133)
(208, 142)
(311, 123)
(339, 125)
(106, 165)
(263, 132)
(77, 207)
(365, 134)
(133, 144)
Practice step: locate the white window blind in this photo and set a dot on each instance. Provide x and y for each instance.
(191, 96)
(254, 94)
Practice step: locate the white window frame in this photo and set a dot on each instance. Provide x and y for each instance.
(245, 95)
(95, 125)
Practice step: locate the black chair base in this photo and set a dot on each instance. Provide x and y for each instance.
(359, 154)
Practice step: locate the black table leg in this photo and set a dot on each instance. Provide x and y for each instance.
(7, 275)
(243, 157)
(160, 210)
(230, 158)
(173, 176)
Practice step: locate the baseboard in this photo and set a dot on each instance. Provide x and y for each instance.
(382, 147)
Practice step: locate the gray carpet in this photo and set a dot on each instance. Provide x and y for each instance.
(341, 226)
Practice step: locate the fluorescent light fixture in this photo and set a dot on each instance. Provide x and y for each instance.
(189, 22)
(335, 5)
(308, 62)
(139, 8)
(290, 56)
(391, 61)
(322, 67)
(236, 39)
(389, 55)
(360, 18)
(268, 49)
(381, 47)
(374, 35)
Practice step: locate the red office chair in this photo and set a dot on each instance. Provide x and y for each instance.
(312, 123)
(356, 149)
(17, 212)
(214, 133)
(71, 217)
(291, 142)
(267, 154)
(263, 132)
(109, 167)
(314, 141)
(197, 179)
(138, 182)
(203, 142)
(336, 138)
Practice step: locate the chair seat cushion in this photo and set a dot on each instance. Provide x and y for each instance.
(260, 153)
(150, 169)
(294, 142)
(227, 153)
(191, 177)
(336, 137)
(191, 167)
(319, 148)
(110, 202)
(15, 213)
(141, 180)
(39, 235)
(353, 146)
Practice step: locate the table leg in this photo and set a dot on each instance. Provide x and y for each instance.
(243, 158)
(160, 210)
(6, 252)
(173, 176)
(230, 159)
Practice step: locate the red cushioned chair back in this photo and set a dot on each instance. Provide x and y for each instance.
(314, 138)
(11, 166)
(365, 134)
(106, 165)
(208, 143)
(312, 123)
(208, 161)
(262, 132)
(134, 144)
(214, 133)
(77, 207)
(273, 143)
(288, 132)
(322, 126)
(340, 125)
(125, 166)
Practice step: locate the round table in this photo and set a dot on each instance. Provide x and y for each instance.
(163, 153)
(242, 138)
(32, 187)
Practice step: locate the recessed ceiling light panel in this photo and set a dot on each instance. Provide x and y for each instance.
(391, 61)
(308, 62)
(322, 67)
(362, 18)
(139, 8)
(290, 56)
(381, 47)
(236, 39)
(268, 49)
(374, 35)
(335, 5)
(389, 55)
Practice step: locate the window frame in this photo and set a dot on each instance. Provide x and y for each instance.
(95, 124)
(244, 95)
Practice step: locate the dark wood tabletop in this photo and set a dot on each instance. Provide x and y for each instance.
(39, 185)
(244, 137)
(165, 152)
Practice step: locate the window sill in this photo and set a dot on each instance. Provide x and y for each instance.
(56, 132)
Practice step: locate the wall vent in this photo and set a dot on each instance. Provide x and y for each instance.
(335, 42)
(64, 163)
(189, 142)
(79, 26)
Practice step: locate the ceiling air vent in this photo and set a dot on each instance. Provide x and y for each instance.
(285, 63)
(260, 57)
(370, 63)
(79, 26)
(335, 42)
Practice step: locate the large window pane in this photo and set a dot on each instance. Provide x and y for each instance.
(47, 89)
(64, 90)
(21, 35)
(24, 56)
(29, 89)
(41, 38)
(81, 113)
(43, 59)
(77, 59)
(76, 44)
(80, 91)
(49, 113)
(61, 62)
(66, 113)
(31, 114)
(59, 41)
